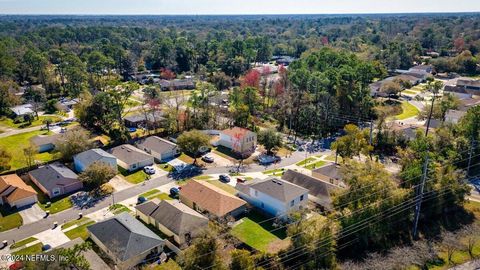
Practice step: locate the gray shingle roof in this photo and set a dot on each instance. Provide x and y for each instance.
(92, 155)
(330, 170)
(157, 144)
(125, 236)
(129, 154)
(54, 175)
(274, 187)
(316, 187)
(174, 215)
(45, 139)
(141, 117)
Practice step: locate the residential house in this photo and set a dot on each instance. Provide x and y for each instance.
(15, 193)
(207, 198)
(173, 218)
(329, 173)
(468, 103)
(464, 87)
(131, 158)
(177, 84)
(161, 149)
(45, 143)
(318, 191)
(434, 123)
(55, 180)
(239, 140)
(126, 240)
(22, 110)
(148, 120)
(454, 116)
(422, 68)
(83, 160)
(273, 196)
(96, 263)
(376, 87)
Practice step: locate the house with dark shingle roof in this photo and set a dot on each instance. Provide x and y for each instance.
(207, 198)
(273, 195)
(131, 158)
(83, 160)
(173, 218)
(329, 173)
(45, 143)
(55, 180)
(161, 149)
(14, 192)
(126, 240)
(318, 191)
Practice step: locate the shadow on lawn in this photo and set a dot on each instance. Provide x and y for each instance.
(267, 223)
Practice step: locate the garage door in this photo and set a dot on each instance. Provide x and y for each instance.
(26, 201)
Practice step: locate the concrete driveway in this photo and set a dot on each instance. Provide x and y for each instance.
(118, 183)
(32, 214)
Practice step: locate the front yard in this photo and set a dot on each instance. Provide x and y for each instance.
(58, 204)
(9, 219)
(409, 111)
(258, 232)
(133, 177)
(80, 231)
(8, 122)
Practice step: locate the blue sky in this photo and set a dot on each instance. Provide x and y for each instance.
(233, 6)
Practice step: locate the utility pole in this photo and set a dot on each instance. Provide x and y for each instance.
(472, 146)
(420, 198)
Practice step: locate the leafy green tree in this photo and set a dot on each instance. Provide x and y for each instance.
(97, 174)
(73, 142)
(270, 139)
(192, 142)
(241, 259)
(207, 246)
(353, 143)
(5, 158)
(7, 99)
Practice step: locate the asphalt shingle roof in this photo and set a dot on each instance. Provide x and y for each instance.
(125, 236)
(54, 175)
(330, 170)
(274, 187)
(129, 154)
(157, 144)
(92, 155)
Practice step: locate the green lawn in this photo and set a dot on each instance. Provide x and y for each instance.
(203, 177)
(56, 204)
(37, 122)
(119, 208)
(166, 167)
(226, 187)
(256, 233)
(161, 196)
(409, 92)
(315, 165)
(80, 231)
(9, 220)
(274, 172)
(75, 222)
(14, 145)
(149, 193)
(408, 111)
(305, 161)
(186, 158)
(136, 177)
(23, 242)
(31, 250)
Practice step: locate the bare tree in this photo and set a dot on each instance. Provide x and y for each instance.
(451, 244)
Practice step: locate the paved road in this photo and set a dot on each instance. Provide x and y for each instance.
(70, 214)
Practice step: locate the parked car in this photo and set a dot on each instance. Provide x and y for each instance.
(141, 199)
(224, 178)
(174, 192)
(208, 159)
(149, 170)
(267, 159)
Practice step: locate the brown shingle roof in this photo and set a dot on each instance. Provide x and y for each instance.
(13, 188)
(211, 198)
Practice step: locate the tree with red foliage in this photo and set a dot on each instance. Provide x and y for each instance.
(251, 79)
(167, 74)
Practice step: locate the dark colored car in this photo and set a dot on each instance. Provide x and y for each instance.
(141, 199)
(224, 178)
(174, 192)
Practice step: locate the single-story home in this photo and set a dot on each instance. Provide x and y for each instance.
(83, 160)
(173, 218)
(329, 173)
(273, 196)
(147, 120)
(15, 193)
(126, 240)
(96, 263)
(318, 190)
(45, 143)
(55, 180)
(239, 140)
(454, 116)
(22, 110)
(161, 149)
(207, 198)
(177, 84)
(131, 158)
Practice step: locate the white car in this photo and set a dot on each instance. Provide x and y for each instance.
(149, 170)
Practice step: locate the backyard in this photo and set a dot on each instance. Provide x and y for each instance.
(408, 111)
(15, 143)
(258, 232)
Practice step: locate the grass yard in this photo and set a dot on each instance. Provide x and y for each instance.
(31, 250)
(56, 204)
(149, 193)
(166, 167)
(203, 177)
(23, 242)
(305, 161)
(315, 165)
(156, 194)
(332, 158)
(186, 158)
(75, 222)
(274, 172)
(119, 208)
(80, 231)
(9, 220)
(14, 145)
(170, 265)
(8, 122)
(225, 187)
(409, 92)
(135, 177)
(259, 235)
(408, 111)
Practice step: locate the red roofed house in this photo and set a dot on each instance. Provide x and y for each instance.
(14, 192)
(239, 140)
